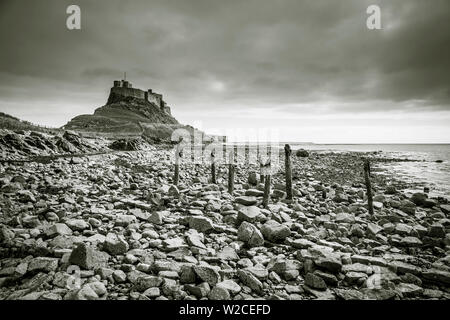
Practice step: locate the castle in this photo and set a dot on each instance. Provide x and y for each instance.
(124, 88)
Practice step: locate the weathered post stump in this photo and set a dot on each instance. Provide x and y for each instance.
(288, 171)
(368, 185)
(213, 166)
(266, 191)
(261, 169)
(231, 172)
(266, 172)
(178, 156)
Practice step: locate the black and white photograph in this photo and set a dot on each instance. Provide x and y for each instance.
(246, 151)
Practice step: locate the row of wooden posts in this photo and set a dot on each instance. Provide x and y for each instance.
(265, 174)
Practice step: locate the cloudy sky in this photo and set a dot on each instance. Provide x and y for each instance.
(300, 70)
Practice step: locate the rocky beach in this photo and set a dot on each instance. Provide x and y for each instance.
(113, 226)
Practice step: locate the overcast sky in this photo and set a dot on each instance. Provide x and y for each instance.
(303, 70)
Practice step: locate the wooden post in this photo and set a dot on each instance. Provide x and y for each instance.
(231, 172)
(178, 155)
(266, 191)
(213, 166)
(288, 169)
(266, 172)
(261, 169)
(368, 186)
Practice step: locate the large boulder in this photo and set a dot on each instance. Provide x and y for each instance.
(314, 281)
(246, 200)
(201, 224)
(88, 258)
(249, 214)
(419, 198)
(77, 224)
(274, 231)
(43, 264)
(115, 245)
(408, 207)
(207, 274)
(250, 234)
(302, 153)
(390, 189)
(58, 229)
(248, 279)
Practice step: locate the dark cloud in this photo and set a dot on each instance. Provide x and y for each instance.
(290, 54)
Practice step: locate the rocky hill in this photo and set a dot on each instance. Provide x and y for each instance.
(127, 117)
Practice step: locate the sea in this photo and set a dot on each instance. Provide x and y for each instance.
(432, 168)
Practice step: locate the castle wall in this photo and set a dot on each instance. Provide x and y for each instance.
(129, 92)
(125, 89)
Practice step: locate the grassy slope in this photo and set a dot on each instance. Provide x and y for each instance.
(12, 123)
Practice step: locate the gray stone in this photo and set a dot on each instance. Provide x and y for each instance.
(438, 276)
(248, 213)
(246, 200)
(445, 208)
(410, 242)
(409, 289)
(274, 231)
(207, 274)
(145, 282)
(195, 239)
(249, 234)
(368, 260)
(119, 276)
(436, 230)
(419, 198)
(228, 253)
(302, 153)
(152, 292)
(254, 192)
(219, 293)
(201, 224)
(373, 229)
(43, 264)
(173, 191)
(87, 257)
(331, 263)
(115, 245)
(77, 224)
(408, 207)
(250, 280)
(141, 215)
(58, 229)
(156, 217)
(230, 285)
(199, 291)
(187, 274)
(315, 282)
